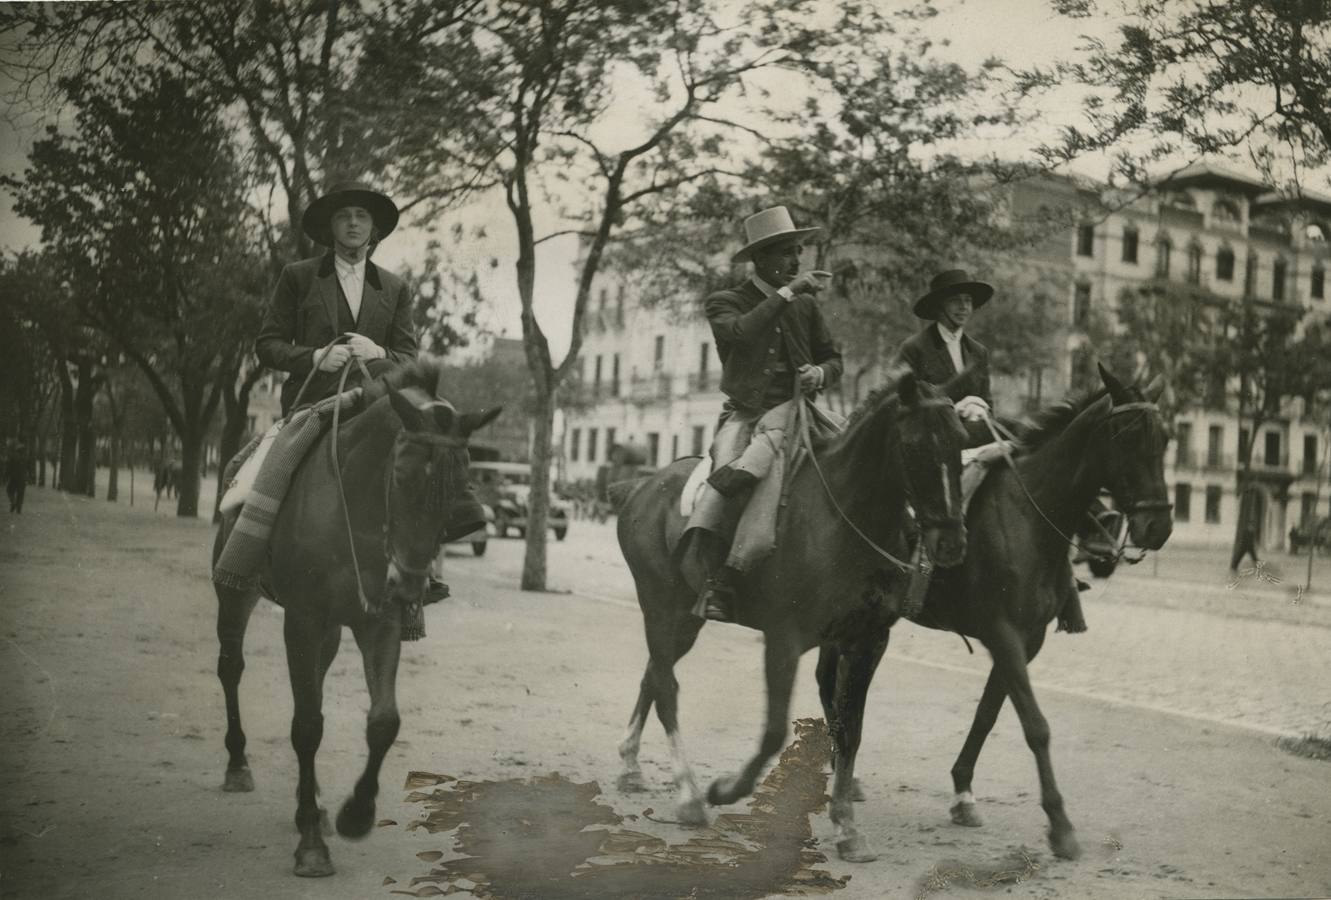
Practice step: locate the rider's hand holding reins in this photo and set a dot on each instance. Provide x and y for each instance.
(333, 358)
(364, 348)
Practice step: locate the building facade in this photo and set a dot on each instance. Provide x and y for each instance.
(650, 375)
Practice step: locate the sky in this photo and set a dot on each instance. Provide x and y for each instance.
(1023, 32)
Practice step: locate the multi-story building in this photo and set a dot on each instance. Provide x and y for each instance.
(652, 373)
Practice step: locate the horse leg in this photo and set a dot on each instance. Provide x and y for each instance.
(380, 642)
(855, 669)
(781, 658)
(828, 655)
(1010, 654)
(630, 779)
(986, 713)
(233, 615)
(662, 645)
(304, 667)
(963, 770)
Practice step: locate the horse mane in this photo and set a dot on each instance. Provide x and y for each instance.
(878, 397)
(423, 373)
(1049, 422)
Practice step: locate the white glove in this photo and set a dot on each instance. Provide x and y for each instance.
(971, 408)
(364, 348)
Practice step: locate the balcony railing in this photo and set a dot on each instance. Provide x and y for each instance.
(649, 388)
(702, 382)
(1218, 462)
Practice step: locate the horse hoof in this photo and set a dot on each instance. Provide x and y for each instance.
(857, 791)
(691, 813)
(352, 822)
(855, 849)
(722, 792)
(631, 783)
(965, 814)
(238, 781)
(1065, 845)
(313, 863)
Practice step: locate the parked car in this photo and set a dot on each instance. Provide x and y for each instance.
(505, 487)
(1317, 533)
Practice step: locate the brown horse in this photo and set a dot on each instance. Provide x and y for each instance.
(403, 464)
(825, 584)
(1016, 573)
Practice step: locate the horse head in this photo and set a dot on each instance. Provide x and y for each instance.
(429, 496)
(930, 438)
(1134, 458)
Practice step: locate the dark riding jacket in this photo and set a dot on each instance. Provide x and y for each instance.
(764, 339)
(926, 354)
(308, 310)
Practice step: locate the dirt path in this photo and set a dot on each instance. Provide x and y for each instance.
(113, 753)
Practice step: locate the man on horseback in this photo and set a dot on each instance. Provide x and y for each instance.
(943, 354)
(771, 337)
(338, 306)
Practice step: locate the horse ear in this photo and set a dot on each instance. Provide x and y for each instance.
(908, 389)
(475, 421)
(1155, 388)
(411, 416)
(1117, 392)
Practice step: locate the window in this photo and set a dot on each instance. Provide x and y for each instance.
(1086, 240)
(609, 442)
(1310, 454)
(1307, 507)
(1224, 264)
(591, 445)
(653, 448)
(614, 378)
(575, 444)
(1278, 280)
(1318, 287)
(1271, 450)
(1215, 436)
(1250, 275)
(1183, 444)
(1081, 305)
(1243, 445)
(699, 436)
(1195, 264)
(1182, 502)
(1213, 494)
(1225, 212)
(1035, 385)
(604, 295)
(619, 303)
(1163, 249)
(1130, 244)
(596, 379)
(658, 352)
(1083, 374)
(704, 381)
(674, 446)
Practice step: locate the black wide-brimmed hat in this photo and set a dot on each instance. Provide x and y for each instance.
(316, 223)
(946, 284)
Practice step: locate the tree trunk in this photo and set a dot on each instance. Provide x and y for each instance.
(538, 511)
(113, 474)
(191, 456)
(87, 456)
(69, 433)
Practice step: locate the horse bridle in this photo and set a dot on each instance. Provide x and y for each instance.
(441, 441)
(1002, 435)
(803, 428)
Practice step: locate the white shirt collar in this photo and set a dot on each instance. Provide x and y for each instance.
(346, 269)
(951, 337)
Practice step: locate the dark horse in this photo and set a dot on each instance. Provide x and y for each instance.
(823, 585)
(403, 463)
(1015, 576)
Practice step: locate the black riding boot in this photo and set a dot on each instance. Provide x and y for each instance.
(718, 596)
(730, 481)
(1070, 617)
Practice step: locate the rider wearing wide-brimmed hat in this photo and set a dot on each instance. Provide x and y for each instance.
(770, 334)
(942, 350)
(940, 353)
(331, 308)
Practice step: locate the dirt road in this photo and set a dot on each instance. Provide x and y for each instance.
(112, 749)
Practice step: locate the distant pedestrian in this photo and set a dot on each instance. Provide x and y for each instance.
(1245, 542)
(16, 476)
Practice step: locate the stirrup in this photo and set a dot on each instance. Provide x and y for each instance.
(718, 599)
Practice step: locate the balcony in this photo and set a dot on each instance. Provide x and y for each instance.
(650, 388)
(1185, 458)
(704, 382)
(1218, 462)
